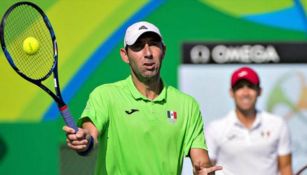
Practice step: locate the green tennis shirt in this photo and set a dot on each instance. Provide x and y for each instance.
(139, 136)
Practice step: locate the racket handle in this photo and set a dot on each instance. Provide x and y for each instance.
(68, 118)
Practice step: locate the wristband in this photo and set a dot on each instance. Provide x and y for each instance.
(89, 148)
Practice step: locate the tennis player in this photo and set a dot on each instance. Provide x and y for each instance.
(249, 141)
(140, 124)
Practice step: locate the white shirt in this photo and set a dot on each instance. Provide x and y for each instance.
(243, 151)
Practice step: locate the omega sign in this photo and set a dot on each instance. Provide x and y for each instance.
(205, 53)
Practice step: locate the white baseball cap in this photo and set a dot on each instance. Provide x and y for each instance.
(134, 31)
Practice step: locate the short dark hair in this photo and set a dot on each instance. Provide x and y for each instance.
(243, 82)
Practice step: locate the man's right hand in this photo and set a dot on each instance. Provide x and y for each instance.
(77, 141)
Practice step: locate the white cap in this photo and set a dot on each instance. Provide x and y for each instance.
(134, 31)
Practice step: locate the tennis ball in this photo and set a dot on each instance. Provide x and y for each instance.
(30, 45)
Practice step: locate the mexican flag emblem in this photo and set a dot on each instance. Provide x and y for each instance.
(172, 115)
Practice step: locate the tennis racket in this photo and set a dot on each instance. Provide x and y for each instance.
(30, 46)
(302, 171)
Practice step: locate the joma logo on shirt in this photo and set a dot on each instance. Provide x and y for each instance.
(131, 111)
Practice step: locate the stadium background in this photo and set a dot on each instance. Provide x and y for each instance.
(89, 36)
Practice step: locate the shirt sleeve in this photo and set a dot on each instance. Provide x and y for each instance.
(284, 144)
(195, 136)
(96, 109)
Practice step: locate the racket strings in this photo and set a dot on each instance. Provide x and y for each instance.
(23, 22)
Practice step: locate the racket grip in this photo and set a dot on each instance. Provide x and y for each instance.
(68, 118)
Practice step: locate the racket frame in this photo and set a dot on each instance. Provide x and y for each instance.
(54, 69)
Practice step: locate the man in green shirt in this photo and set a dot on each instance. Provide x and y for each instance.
(142, 125)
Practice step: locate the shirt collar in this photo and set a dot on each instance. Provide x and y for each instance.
(233, 119)
(137, 95)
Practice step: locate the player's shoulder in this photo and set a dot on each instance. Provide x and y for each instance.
(222, 122)
(270, 118)
(109, 87)
(176, 93)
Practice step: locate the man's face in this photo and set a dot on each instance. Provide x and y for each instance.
(245, 95)
(145, 56)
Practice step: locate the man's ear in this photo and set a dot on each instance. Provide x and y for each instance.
(124, 55)
(164, 50)
(231, 93)
(259, 91)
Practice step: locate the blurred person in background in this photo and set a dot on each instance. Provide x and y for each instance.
(248, 141)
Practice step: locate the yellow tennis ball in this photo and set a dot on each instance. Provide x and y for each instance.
(30, 45)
